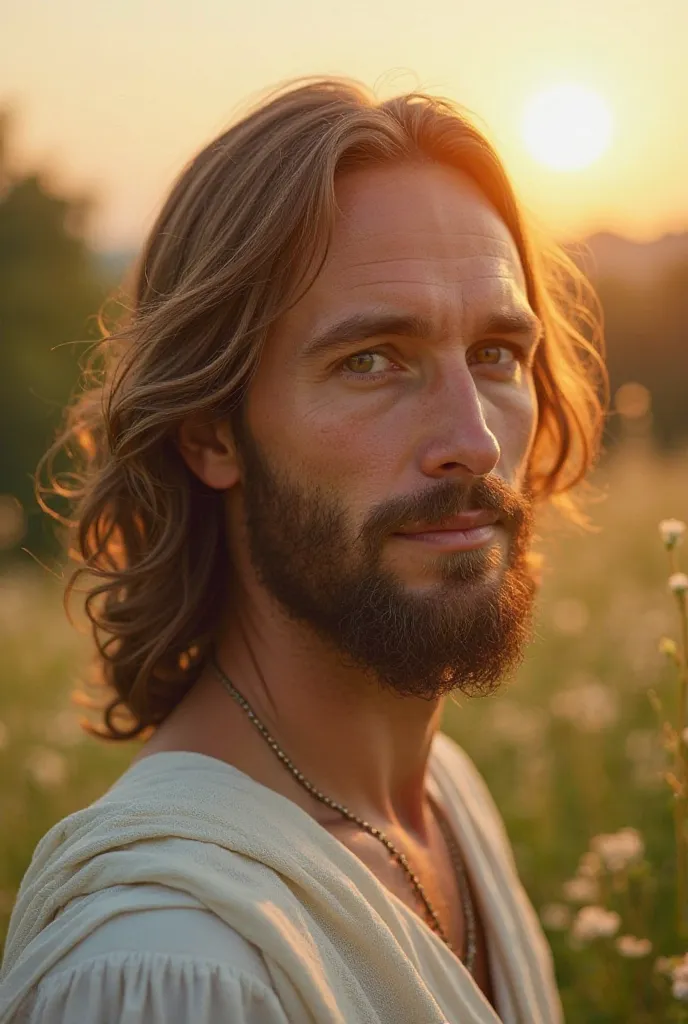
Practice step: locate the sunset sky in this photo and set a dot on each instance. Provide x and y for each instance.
(117, 97)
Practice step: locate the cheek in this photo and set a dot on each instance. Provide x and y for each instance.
(351, 449)
(514, 423)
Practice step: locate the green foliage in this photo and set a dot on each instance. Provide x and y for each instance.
(647, 342)
(50, 289)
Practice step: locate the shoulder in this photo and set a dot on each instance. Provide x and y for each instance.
(171, 964)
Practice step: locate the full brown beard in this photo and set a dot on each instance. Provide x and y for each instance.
(468, 630)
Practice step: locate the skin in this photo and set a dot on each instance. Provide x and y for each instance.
(443, 418)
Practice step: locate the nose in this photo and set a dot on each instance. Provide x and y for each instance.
(457, 440)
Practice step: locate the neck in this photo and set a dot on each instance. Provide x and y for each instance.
(360, 745)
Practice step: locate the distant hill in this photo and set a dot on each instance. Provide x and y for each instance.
(639, 263)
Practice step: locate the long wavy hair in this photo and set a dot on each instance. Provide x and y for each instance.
(232, 248)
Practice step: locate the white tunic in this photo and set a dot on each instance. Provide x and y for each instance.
(192, 894)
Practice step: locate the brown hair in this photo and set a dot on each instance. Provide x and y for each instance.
(227, 255)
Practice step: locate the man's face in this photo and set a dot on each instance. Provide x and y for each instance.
(416, 414)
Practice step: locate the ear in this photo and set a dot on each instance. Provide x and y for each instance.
(209, 450)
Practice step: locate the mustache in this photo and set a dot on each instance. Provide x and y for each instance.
(514, 508)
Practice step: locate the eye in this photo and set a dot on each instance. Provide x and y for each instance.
(494, 352)
(502, 361)
(362, 362)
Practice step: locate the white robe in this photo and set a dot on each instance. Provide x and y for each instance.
(192, 894)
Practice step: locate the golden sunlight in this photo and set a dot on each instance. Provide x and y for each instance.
(567, 127)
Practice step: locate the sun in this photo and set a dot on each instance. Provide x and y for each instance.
(567, 127)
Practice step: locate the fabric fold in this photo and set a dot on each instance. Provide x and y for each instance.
(339, 946)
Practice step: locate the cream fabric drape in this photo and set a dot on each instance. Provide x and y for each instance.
(191, 893)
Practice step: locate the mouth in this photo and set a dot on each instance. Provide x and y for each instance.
(465, 532)
(467, 521)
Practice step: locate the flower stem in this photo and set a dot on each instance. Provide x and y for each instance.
(681, 799)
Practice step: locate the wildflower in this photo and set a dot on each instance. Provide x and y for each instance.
(668, 647)
(678, 583)
(633, 948)
(589, 865)
(680, 970)
(671, 532)
(555, 916)
(595, 923)
(619, 849)
(46, 767)
(580, 890)
(679, 989)
(591, 706)
(664, 965)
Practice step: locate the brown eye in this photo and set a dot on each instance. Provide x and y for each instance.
(361, 361)
(492, 353)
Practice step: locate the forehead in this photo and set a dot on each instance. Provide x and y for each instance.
(420, 238)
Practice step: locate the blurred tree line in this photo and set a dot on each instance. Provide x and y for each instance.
(646, 331)
(52, 286)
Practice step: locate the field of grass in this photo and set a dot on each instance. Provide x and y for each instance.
(570, 749)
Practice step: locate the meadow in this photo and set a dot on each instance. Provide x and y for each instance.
(571, 748)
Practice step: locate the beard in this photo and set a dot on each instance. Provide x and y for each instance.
(467, 630)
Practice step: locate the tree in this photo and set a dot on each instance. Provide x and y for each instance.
(50, 292)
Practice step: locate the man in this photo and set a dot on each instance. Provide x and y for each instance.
(308, 500)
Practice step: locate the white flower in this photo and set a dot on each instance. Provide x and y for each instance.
(679, 989)
(664, 965)
(619, 849)
(555, 916)
(47, 767)
(591, 706)
(678, 583)
(589, 865)
(671, 532)
(580, 890)
(680, 970)
(594, 923)
(633, 948)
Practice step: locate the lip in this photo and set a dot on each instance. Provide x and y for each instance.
(453, 540)
(467, 521)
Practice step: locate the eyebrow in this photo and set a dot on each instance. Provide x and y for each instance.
(360, 326)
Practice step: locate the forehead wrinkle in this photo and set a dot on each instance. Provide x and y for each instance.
(447, 285)
(427, 259)
(352, 235)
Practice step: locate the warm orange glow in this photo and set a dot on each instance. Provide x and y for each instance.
(567, 127)
(125, 136)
